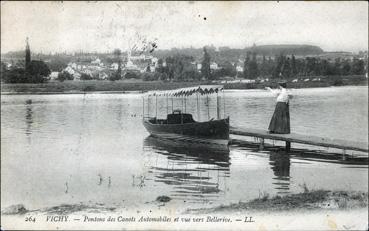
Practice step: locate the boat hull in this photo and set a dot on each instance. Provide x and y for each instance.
(215, 132)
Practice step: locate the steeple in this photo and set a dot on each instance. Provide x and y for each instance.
(28, 53)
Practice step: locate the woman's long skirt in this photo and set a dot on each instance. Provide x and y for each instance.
(280, 122)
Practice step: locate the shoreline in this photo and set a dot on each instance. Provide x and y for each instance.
(132, 87)
(308, 200)
(350, 213)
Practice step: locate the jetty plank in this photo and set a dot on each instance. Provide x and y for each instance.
(302, 139)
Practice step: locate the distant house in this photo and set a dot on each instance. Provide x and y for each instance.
(114, 66)
(103, 75)
(248, 81)
(154, 61)
(214, 66)
(239, 68)
(88, 72)
(77, 76)
(96, 62)
(152, 68)
(131, 66)
(53, 75)
(70, 70)
(199, 65)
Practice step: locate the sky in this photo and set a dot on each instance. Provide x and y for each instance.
(105, 26)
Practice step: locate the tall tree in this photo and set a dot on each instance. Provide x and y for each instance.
(117, 55)
(205, 65)
(277, 72)
(253, 67)
(246, 66)
(358, 67)
(264, 67)
(28, 54)
(286, 71)
(337, 66)
(160, 67)
(293, 65)
(346, 68)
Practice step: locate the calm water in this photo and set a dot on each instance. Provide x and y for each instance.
(93, 148)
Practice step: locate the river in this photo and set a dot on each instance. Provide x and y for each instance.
(92, 148)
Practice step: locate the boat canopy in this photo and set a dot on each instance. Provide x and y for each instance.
(202, 89)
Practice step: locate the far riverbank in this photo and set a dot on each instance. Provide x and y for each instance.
(77, 87)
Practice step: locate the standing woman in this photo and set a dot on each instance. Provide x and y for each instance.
(280, 122)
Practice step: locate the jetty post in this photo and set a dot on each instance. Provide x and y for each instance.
(288, 146)
(344, 154)
(261, 145)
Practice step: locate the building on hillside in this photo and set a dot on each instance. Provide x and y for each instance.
(77, 76)
(70, 70)
(114, 66)
(103, 76)
(96, 62)
(53, 75)
(214, 66)
(154, 61)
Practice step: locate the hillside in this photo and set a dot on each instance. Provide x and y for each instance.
(233, 55)
(287, 49)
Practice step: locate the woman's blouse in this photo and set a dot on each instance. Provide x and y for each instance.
(282, 95)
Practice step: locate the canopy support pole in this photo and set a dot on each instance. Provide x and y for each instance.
(156, 106)
(182, 112)
(148, 106)
(198, 106)
(218, 111)
(172, 103)
(224, 105)
(185, 108)
(182, 104)
(207, 102)
(167, 106)
(143, 108)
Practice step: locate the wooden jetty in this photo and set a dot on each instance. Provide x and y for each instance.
(301, 139)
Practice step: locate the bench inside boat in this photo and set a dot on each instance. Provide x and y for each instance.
(177, 117)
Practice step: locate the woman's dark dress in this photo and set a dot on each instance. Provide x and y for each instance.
(280, 122)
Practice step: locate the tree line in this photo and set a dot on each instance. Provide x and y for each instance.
(181, 67)
(289, 67)
(34, 72)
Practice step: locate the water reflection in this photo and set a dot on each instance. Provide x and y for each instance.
(193, 173)
(29, 119)
(280, 164)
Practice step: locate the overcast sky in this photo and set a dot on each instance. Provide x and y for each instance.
(104, 26)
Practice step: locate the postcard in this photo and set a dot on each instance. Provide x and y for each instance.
(160, 115)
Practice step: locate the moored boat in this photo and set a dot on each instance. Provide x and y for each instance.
(182, 127)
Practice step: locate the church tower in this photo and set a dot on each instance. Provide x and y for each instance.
(28, 54)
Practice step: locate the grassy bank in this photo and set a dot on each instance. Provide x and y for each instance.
(138, 85)
(308, 200)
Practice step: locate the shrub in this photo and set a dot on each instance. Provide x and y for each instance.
(132, 75)
(85, 76)
(64, 76)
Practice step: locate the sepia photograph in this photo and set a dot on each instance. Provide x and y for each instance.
(184, 115)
